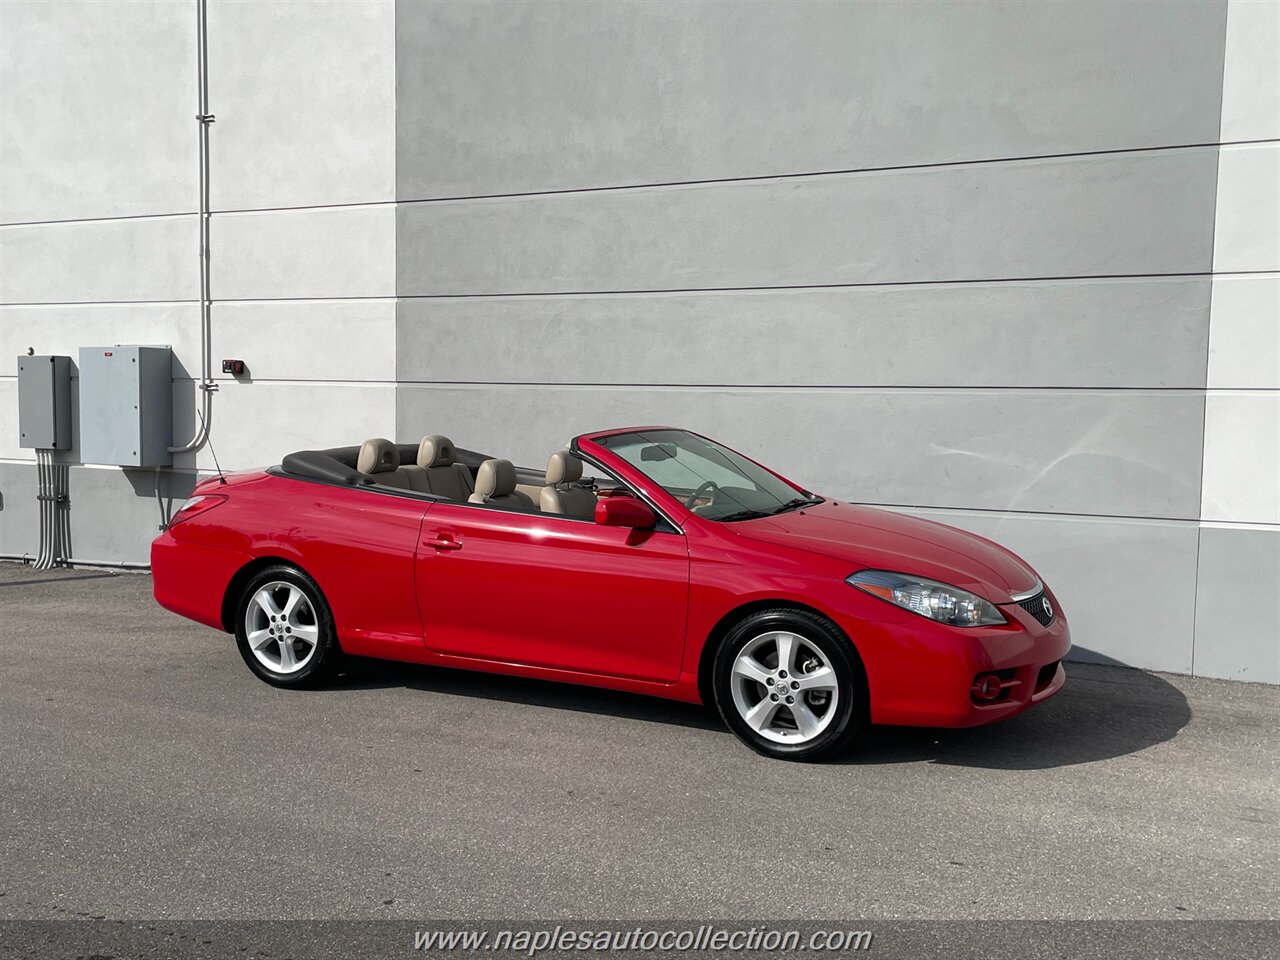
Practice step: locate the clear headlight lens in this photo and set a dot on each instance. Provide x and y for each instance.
(929, 598)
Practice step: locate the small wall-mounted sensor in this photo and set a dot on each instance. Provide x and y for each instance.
(233, 367)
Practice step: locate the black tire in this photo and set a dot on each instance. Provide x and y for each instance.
(324, 654)
(849, 711)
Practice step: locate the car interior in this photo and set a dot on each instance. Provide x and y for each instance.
(437, 468)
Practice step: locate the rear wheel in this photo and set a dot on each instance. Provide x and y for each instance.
(790, 685)
(284, 630)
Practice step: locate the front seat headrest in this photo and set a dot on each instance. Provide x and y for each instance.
(435, 451)
(563, 467)
(495, 478)
(377, 456)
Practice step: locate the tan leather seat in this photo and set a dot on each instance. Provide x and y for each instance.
(559, 495)
(496, 487)
(379, 459)
(436, 472)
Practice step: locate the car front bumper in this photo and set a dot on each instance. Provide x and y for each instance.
(922, 673)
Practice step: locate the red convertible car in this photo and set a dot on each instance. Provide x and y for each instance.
(647, 559)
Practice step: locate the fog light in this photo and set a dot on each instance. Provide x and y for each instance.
(987, 687)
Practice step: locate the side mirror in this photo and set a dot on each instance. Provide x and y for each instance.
(625, 512)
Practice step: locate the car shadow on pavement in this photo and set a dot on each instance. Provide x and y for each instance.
(1106, 709)
(377, 674)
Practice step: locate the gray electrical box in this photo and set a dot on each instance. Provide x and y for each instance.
(126, 405)
(44, 403)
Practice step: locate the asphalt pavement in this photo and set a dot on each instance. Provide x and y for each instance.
(148, 775)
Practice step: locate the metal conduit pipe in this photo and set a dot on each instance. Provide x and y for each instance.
(42, 499)
(55, 521)
(203, 119)
(64, 509)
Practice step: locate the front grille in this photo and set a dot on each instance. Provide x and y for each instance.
(1036, 606)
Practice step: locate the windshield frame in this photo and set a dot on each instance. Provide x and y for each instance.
(735, 511)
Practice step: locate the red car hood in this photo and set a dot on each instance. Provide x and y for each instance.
(881, 540)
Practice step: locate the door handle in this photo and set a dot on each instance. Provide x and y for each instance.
(442, 543)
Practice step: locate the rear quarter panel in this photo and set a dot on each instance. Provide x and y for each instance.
(357, 545)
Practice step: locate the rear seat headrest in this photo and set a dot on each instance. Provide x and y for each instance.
(563, 467)
(495, 478)
(377, 456)
(435, 451)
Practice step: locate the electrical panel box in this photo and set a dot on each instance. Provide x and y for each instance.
(44, 403)
(126, 405)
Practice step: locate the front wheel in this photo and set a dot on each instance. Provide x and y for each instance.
(284, 630)
(790, 685)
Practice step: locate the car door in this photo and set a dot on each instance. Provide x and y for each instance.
(360, 545)
(553, 591)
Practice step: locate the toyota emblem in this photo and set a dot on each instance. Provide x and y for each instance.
(1048, 607)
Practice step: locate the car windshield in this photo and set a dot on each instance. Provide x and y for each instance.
(710, 479)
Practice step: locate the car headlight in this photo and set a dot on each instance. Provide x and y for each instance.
(929, 598)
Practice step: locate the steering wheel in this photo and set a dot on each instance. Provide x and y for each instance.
(706, 485)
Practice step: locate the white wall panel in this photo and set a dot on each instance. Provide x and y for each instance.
(1237, 604)
(327, 252)
(1244, 335)
(124, 260)
(308, 340)
(1242, 457)
(98, 103)
(1251, 74)
(256, 424)
(19, 509)
(64, 329)
(9, 439)
(305, 96)
(1247, 228)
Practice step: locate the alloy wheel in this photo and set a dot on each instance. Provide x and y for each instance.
(281, 627)
(784, 687)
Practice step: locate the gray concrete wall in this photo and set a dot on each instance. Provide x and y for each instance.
(952, 259)
(1011, 266)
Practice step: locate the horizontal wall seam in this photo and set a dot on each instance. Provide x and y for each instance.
(661, 291)
(95, 303)
(1190, 391)
(845, 172)
(668, 184)
(552, 294)
(989, 511)
(857, 388)
(1262, 526)
(125, 218)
